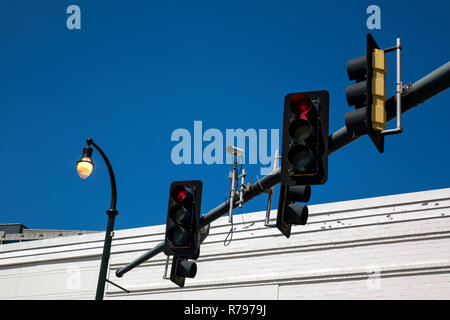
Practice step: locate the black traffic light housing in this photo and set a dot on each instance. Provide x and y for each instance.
(182, 236)
(289, 212)
(359, 94)
(305, 138)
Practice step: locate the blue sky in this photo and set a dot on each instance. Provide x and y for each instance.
(138, 70)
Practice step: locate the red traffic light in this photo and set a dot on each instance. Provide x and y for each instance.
(300, 105)
(181, 195)
(305, 138)
(183, 219)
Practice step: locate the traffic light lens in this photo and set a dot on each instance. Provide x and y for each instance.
(301, 158)
(179, 214)
(178, 235)
(300, 130)
(181, 195)
(300, 105)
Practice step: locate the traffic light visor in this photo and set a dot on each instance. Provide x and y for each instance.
(296, 214)
(187, 269)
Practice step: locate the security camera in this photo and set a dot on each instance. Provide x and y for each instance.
(235, 151)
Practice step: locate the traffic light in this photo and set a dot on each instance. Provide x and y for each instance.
(305, 138)
(368, 94)
(181, 268)
(289, 212)
(182, 237)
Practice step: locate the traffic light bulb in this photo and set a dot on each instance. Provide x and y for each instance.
(181, 195)
(178, 235)
(301, 158)
(179, 214)
(300, 105)
(300, 130)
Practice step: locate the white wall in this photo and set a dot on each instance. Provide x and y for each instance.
(393, 247)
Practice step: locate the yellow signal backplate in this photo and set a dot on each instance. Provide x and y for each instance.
(378, 90)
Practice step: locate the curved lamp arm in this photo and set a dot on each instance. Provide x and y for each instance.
(89, 142)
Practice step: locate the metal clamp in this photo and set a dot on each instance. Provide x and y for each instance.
(243, 188)
(270, 192)
(165, 277)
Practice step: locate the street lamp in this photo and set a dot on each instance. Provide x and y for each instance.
(84, 168)
(85, 165)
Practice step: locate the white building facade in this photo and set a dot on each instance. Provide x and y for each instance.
(392, 247)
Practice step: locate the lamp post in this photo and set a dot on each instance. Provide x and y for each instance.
(84, 168)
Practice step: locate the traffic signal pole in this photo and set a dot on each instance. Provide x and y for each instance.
(414, 94)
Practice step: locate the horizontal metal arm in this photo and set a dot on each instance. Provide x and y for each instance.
(423, 89)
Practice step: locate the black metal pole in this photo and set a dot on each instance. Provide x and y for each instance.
(106, 254)
(112, 214)
(420, 91)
